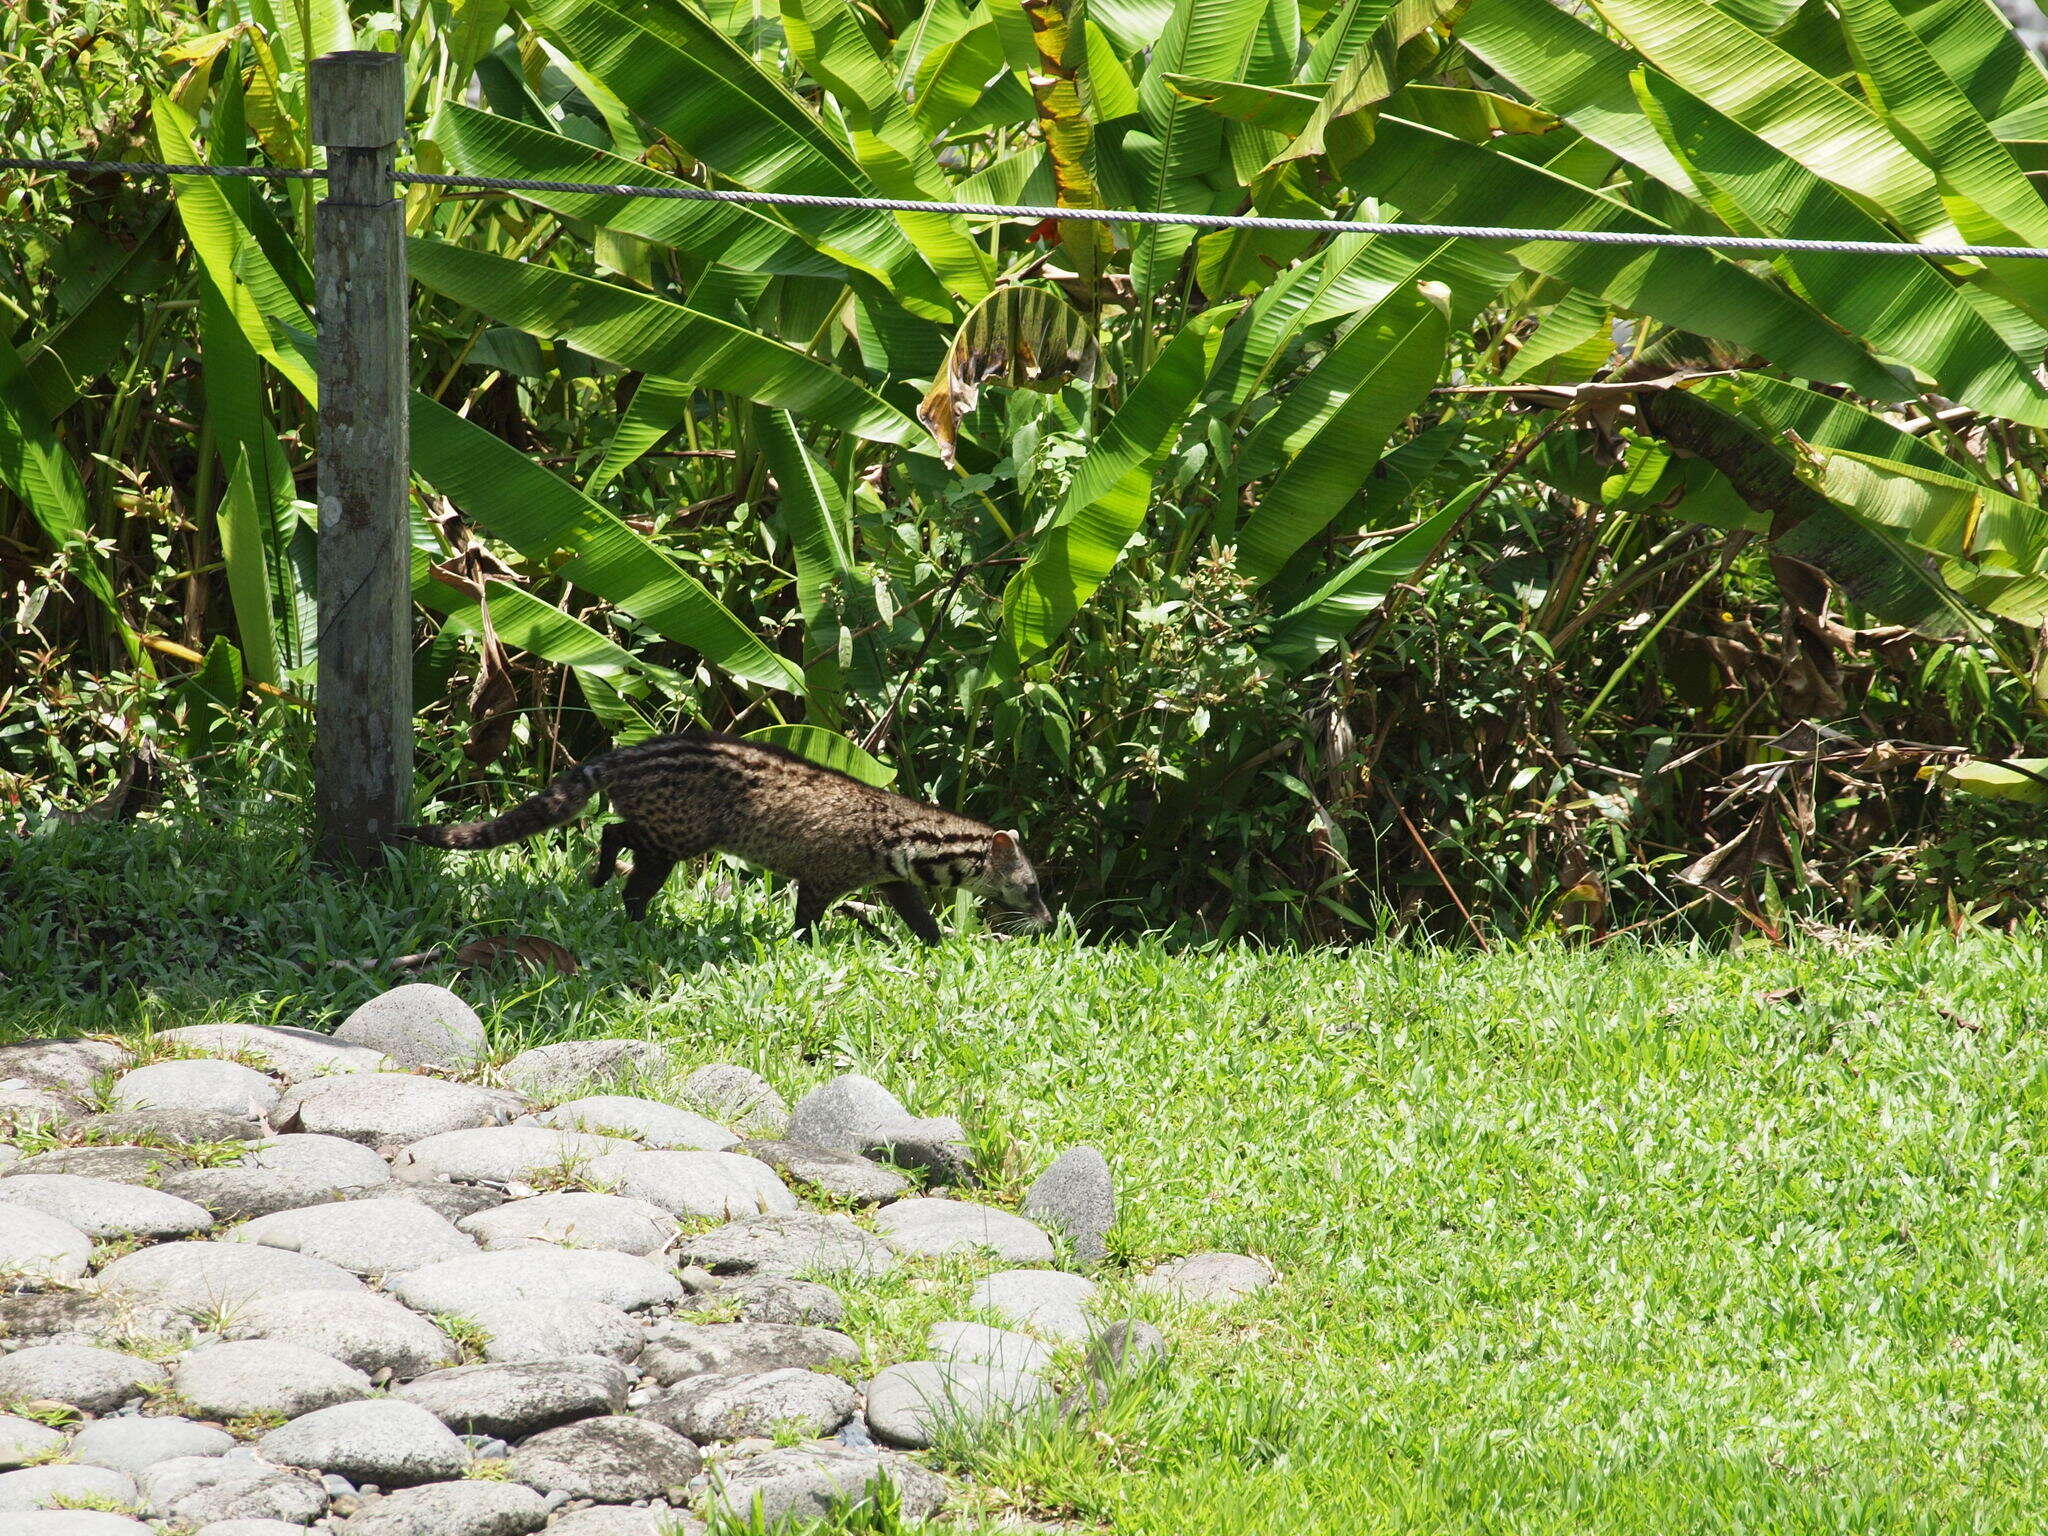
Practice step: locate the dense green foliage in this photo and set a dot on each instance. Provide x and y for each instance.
(1267, 583)
(1637, 1241)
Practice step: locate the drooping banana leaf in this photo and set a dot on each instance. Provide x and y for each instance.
(1784, 102)
(746, 238)
(1361, 391)
(1432, 176)
(1900, 307)
(679, 72)
(1987, 192)
(656, 409)
(828, 748)
(1111, 491)
(1353, 593)
(1575, 72)
(638, 330)
(541, 515)
(831, 42)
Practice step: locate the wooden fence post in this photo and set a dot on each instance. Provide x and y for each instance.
(362, 752)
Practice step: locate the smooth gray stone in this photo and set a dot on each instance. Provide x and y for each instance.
(286, 1173)
(911, 1405)
(79, 1374)
(40, 1487)
(361, 1328)
(613, 1459)
(79, 1522)
(568, 1067)
(364, 1237)
(1208, 1279)
(574, 1219)
(250, 1528)
(808, 1483)
(334, 1159)
(65, 1066)
(837, 1175)
(519, 1399)
(392, 1108)
(292, 1053)
(937, 1227)
(40, 1249)
(1076, 1197)
(979, 1344)
(261, 1376)
(24, 1440)
(84, 1317)
(199, 1489)
(772, 1299)
(104, 1207)
(137, 1442)
(457, 1202)
(794, 1245)
(1041, 1301)
(418, 1025)
(625, 1520)
(555, 1329)
(737, 1097)
(167, 1127)
(121, 1165)
(210, 1278)
(676, 1351)
(936, 1147)
(526, 1274)
(734, 1406)
(844, 1113)
(384, 1442)
(720, 1185)
(504, 1154)
(27, 1109)
(660, 1126)
(227, 1087)
(475, 1508)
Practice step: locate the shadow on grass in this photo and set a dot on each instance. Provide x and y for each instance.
(177, 920)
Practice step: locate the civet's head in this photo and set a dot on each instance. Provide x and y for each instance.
(1007, 877)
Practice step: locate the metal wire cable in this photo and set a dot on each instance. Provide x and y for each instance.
(1039, 214)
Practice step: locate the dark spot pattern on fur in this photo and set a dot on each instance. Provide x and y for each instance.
(683, 796)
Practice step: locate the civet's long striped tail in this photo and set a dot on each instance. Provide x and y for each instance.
(555, 806)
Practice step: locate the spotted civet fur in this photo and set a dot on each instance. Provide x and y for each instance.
(682, 796)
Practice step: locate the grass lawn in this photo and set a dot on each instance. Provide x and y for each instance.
(1644, 1240)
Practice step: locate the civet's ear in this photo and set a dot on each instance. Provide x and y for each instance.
(1003, 845)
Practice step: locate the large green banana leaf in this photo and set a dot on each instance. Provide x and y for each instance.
(542, 515)
(1785, 102)
(243, 554)
(258, 299)
(1111, 491)
(1362, 390)
(1573, 71)
(1990, 196)
(735, 235)
(1321, 620)
(684, 76)
(1432, 176)
(1179, 144)
(34, 465)
(638, 330)
(1900, 307)
(657, 408)
(831, 42)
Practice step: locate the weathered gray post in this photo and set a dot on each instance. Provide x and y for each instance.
(362, 752)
